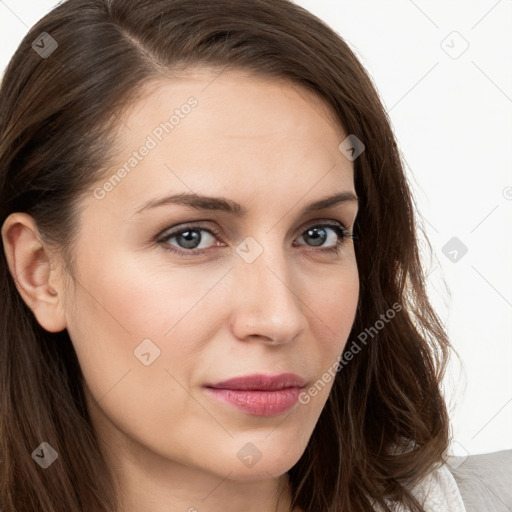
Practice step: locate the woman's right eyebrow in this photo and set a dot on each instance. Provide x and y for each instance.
(209, 203)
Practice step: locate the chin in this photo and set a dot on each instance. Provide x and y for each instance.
(260, 460)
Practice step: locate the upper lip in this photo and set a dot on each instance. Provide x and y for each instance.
(263, 382)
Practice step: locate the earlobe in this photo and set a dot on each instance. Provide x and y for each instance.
(30, 267)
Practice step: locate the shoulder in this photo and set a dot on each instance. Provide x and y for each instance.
(485, 480)
(438, 492)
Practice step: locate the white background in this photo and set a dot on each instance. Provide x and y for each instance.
(451, 111)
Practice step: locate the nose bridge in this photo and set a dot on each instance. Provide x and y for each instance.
(267, 304)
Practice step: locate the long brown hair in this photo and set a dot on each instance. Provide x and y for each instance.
(385, 423)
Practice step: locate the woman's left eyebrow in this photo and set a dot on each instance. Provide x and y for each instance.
(209, 203)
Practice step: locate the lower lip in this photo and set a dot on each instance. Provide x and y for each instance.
(258, 403)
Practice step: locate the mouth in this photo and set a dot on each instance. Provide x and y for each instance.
(259, 395)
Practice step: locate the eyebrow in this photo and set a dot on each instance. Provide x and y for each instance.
(223, 204)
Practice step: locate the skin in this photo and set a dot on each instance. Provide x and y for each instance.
(272, 147)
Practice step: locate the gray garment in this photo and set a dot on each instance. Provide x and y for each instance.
(484, 481)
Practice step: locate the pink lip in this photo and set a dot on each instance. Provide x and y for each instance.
(259, 395)
(261, 382)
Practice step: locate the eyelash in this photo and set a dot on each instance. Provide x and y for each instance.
(341, 230)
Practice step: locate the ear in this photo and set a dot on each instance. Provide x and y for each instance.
(30, 265)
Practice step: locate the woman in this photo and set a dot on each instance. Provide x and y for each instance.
(213, 297)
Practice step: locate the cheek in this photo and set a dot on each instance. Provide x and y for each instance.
(333, 308)
(335, 304)
(134, 300)
(124, 312)
(135, 373)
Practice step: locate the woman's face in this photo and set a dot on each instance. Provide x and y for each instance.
(156, 317)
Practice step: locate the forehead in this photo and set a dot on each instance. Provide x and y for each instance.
(214, 133)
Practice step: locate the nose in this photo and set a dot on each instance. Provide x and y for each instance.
(265, 304)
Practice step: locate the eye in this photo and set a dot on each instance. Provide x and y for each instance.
(318, 234)
(190, 240)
